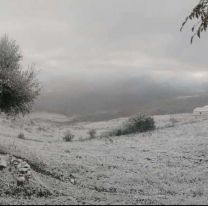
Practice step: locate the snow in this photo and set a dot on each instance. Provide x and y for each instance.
(167, 166)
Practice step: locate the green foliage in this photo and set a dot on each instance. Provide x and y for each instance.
(21, 136)
(92, 133)
(173, 121)
(140, 123)
(200, 14)
(68, 137)
(18, 87)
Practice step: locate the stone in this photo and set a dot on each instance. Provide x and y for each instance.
(72, 181)
(3, 163)
(20, 180)
(29, 173)
(23, 170)
(25, 165)
(16, 162)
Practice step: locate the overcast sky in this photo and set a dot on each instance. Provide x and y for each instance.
(105, 40)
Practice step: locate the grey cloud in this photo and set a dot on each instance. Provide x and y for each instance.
(83, 46)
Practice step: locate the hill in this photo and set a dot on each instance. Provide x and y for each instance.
(167, 166)
(116, 99)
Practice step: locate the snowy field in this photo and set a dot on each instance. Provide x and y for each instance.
(167, 166)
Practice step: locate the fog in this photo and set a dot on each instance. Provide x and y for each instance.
(104, 59)
(123, 97)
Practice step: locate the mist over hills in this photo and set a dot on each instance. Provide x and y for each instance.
(88, 101)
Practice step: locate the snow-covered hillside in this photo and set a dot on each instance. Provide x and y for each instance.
(167, 166)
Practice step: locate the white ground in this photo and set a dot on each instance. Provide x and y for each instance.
(167, 166)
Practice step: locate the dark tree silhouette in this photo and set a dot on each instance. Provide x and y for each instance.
(18, 87)
(200, 17)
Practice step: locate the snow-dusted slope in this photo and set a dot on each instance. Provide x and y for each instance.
(167, 166)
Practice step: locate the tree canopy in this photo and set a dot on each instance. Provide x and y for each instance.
(18, 87)
(200, 17)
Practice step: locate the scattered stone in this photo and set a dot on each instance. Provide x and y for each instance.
(20, 180)
(15, 162)
(3, 162)
(17, 178)
(72, 181)
(22, 171)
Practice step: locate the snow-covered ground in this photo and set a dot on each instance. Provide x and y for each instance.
(167, 166)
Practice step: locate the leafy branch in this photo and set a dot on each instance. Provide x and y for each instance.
(200, 13)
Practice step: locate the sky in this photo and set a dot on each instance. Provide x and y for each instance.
(96, 43)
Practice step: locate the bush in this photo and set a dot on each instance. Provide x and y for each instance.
(140, 123)
(92, 133)
(68, 137)
(21, 136)
(173, 121)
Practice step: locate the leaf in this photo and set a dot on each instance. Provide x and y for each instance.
(192, 39)
(198, 33)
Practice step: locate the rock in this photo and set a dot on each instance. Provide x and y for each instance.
(3, 163)
(72, 180)
(23, 165)
(23, 170)
(20, 180)
(16, 162)
(28, 175)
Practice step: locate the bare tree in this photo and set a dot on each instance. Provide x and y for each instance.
(18, 87)
(200, 17)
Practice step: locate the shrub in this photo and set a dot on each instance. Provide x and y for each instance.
(21, 136)
(68, 137)
(92, 133)
(140, 123)
(173, 121)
